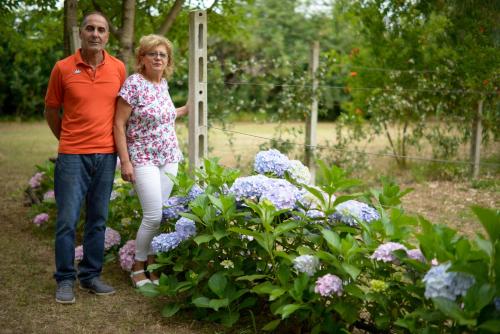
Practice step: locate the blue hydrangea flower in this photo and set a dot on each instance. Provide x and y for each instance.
(194, 192)
(306, 264)
(315, 214)
(250, 187)
(439, 282)
(351, 211)
(166, 241)
(185, 227)
(496, 301)
(173, 207)
(281, 193)
(271, 161)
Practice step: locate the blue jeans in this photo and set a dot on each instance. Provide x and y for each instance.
(79, 176)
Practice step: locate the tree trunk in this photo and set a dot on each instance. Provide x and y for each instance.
(170, 18)
(126, 36)
(70, 21)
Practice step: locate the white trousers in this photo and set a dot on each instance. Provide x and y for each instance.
(153, 187)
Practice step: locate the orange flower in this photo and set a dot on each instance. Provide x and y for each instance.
(358, 111)
(486, 82)
(353, 74)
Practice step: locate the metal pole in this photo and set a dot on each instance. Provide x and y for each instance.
(197, 102)
(312, 118)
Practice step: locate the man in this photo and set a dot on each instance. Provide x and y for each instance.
(85, 85)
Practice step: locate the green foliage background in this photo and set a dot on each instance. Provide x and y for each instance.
(386, 63)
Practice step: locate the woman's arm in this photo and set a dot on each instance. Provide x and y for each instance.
(123, 111)
(182, 110)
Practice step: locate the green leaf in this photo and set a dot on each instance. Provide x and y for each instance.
(288, 309)
(347, 311)
(251, 278)
(270, 326)
(216, 304)
(451, 309)
(332, 239)
(170, 309)
(228, 319)
(203, 238)
(219, 234)
(285, 227)
(217, 283)
(276, 293)
(490, 219)
(351, 270)
(149, 290)
(491, 326)
(201, 302)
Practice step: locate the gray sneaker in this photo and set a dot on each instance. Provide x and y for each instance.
(95, 285)
(64, 292)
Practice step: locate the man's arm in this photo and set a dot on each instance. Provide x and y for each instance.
(53, 120)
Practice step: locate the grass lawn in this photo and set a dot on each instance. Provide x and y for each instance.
(27, 296)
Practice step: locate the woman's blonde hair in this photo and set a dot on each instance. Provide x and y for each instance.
(148, 43)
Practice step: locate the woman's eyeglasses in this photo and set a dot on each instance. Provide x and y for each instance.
(156, 54)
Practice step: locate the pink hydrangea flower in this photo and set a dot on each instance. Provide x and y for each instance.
(40, 219)
(328, 285)
(49, 196)
(79, 253)
(111, 238)
(127, 254)
(36, 180)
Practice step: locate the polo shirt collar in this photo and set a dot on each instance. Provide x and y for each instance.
(79, 59)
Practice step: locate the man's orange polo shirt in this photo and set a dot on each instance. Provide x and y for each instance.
(88, 99)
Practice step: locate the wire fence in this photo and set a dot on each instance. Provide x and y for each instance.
(390, 155)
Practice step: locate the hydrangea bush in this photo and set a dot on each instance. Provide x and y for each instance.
(316, 259)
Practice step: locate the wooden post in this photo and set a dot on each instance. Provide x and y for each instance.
(312, 118)
(197, 102)
(477, 135)
(74, 39)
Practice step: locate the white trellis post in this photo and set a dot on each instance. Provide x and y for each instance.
(74, 39)
(197, 101)
(312, 118)
(477, 135)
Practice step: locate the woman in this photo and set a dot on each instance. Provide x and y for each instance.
(144, 132)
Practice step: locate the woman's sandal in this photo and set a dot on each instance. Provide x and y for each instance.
(141, 282)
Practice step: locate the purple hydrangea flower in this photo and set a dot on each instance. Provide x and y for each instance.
(328, 285)
(349, 212)
(271, 161)
(281, 193)
(173, 207)
(250, 187)
(36, 180)
(166, 241)
(306, 264)
(111, 238)
(385, 251)
(127, 254)
(185, 227)
(416, 254)
(40, 219)
(79, 253)
(439, 282)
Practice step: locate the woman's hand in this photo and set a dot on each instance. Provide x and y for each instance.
(127, 171)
